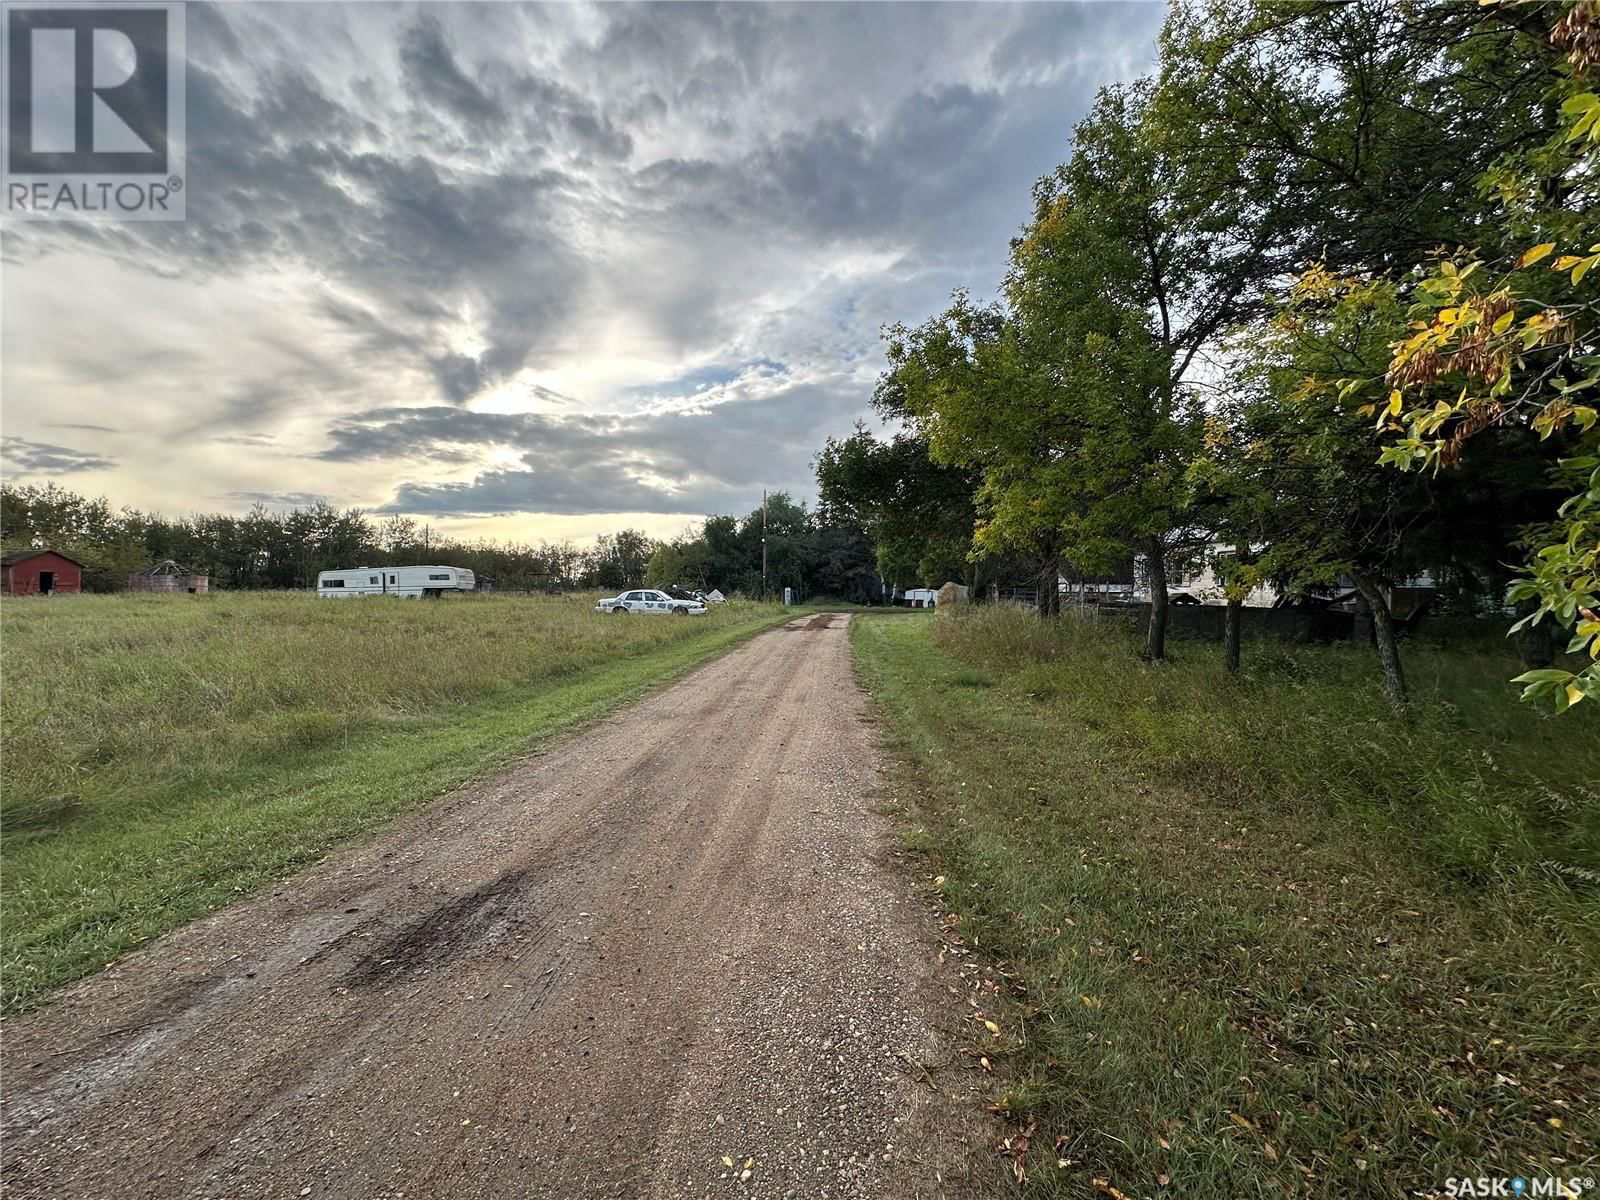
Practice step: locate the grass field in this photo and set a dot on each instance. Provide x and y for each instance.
(1254, 938)
(165, 755)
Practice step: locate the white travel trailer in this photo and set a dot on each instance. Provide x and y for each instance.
(394, 581)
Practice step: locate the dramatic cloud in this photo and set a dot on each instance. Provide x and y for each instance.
(506, 266)
(40, 458)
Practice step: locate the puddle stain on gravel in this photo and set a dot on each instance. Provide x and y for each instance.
(448, 932)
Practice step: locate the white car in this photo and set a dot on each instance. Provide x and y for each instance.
(648, 600)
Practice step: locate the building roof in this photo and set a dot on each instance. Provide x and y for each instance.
(167, 567)
(16, 556)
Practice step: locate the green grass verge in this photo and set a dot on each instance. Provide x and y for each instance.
(166, 755)
(1260, 939)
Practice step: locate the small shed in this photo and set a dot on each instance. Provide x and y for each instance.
(39, 572)
(168, 576)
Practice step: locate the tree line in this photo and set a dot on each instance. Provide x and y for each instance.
(1309, 301)
(813, 552)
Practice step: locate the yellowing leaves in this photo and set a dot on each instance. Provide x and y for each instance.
(1578, 264)
(1535, 253)
(1104, 1185)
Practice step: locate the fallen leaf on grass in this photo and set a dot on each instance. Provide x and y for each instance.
(1104, 1185)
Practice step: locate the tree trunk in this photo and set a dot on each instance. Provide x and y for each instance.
(1394, 679)
(1155, 644)
(1231, 622)
(1049, 590)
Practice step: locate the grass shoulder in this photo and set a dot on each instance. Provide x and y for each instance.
(1263, 941)
(166, 756)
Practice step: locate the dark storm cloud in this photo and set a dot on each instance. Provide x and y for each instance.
(416, 238)
(460, 377)
(691, 460)
(834, 179)
(42, 458)
(432, 68)
(1053, 38)
(280, 499)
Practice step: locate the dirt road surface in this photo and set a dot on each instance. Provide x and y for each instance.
(677, 941)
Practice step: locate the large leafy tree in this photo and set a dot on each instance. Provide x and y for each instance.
(918, 513)
(1495, 341)
(1075, 399)
(1509, 335)
(1294, 458)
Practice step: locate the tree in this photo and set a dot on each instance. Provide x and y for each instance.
(1290, 460)
(918, 514)
(1508, 335)
(684, 562)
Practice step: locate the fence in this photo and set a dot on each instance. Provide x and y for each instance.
(1205, 621)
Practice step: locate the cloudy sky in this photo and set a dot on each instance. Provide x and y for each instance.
(537, 271)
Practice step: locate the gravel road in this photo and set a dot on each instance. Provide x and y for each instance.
(681, 940)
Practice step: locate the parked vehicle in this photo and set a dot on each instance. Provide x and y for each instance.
(649, 600)
(394, 581)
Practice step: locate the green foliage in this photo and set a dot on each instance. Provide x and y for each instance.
(918, 514)
(1504, 336)
(1292, 454)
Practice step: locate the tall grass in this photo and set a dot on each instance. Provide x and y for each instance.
(1486, 790)
(1251, 936)
(162, 754)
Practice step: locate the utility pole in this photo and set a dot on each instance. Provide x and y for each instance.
(763, 545)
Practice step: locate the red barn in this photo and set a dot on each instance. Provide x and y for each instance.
(39, 573)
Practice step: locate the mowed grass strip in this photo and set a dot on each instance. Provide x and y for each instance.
(165, 755)
(1264, 940)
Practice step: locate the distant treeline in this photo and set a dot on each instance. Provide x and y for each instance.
(810, 552)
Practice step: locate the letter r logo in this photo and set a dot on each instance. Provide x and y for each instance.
(86, 90)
